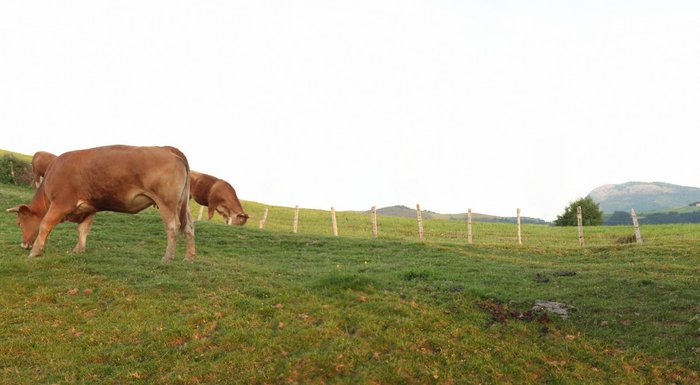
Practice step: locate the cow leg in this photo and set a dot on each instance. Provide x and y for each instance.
(172, 228)
(188, 229)
(186, 220)
(83, 230)
(52, 217)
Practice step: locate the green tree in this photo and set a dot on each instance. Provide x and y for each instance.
(590, 212)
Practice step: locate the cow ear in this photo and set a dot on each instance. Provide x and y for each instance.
(21, 209)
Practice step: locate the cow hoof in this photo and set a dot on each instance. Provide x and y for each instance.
(35, 254)
(166, 259)
(189, 258)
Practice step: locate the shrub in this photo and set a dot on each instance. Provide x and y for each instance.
(15, 171)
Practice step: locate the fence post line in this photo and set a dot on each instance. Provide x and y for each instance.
(335, 222)
(469, 226)
(374, 222)
(261, 225)
(201, 211)
(520, 240)
(637, 234)
(420, 221)
(295, 227)
(579, 218)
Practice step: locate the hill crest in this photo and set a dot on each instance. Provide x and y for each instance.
(407, 212)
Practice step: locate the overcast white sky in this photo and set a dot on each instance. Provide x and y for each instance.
(486, 104)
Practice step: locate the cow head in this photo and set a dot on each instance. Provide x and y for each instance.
(28, 221)
(231, 216)
(239, 219)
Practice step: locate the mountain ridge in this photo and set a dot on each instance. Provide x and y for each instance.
(643, 196)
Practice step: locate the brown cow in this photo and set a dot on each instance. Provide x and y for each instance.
(218, 195)
(113, 178)
(40, 163)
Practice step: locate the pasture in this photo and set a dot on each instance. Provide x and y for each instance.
(272, 307)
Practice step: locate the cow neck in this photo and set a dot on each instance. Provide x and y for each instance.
(237, 203)
(39, 204)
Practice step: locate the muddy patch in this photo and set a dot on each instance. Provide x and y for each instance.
(502, 313)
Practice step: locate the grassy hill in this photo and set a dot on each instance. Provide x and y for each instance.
(271, 307)
(24, 157)
(643, 196)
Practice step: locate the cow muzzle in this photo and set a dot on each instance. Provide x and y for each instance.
(26, 246)
(239, 219)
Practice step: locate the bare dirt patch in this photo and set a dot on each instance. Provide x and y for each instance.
(502, 313)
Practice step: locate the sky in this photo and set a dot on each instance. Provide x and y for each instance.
(490, 105)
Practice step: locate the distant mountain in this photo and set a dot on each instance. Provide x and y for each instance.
(407, 212)
(643, 196)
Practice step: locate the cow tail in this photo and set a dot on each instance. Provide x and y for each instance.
(186, 220)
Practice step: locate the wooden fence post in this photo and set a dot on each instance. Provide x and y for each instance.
(201, 211)
(12, 172)
(374, 222)
(579, 218)
(295, 227)
(261, 225)
(469, 226)
(520, 240)
(420, 221)
(335, 222)
(637, 234)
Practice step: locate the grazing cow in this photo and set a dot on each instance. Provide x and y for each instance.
(124, 179)
(218, 195)
(40, 163)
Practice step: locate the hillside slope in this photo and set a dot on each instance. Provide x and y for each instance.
(643, 196)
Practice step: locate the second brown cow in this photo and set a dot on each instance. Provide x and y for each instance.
(40, 163)
(218, 195)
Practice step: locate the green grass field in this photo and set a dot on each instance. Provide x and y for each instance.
(272, 307)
